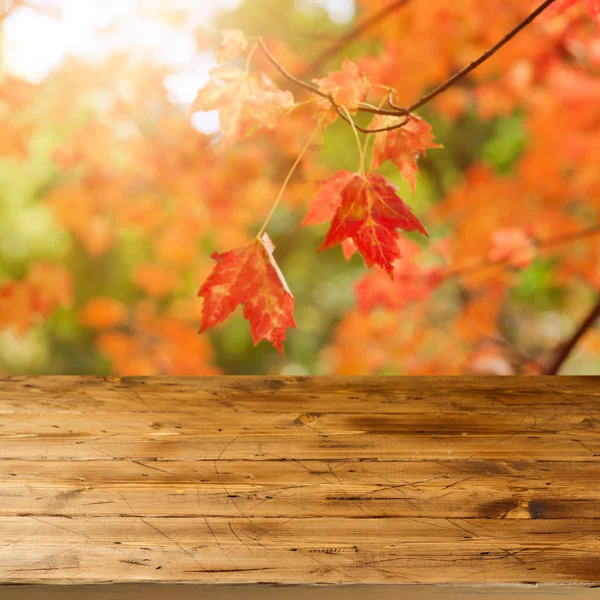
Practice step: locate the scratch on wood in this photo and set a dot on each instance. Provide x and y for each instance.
(287, 480)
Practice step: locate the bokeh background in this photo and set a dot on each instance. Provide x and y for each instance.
(113, 196)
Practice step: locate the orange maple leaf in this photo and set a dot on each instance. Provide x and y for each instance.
(16, 307)
(403, 145)
(233, 45)
(103, 313)
(368, 212)
(156, 279)
(245, 101)
(47, 287)
(249, 276)
(591, 6)
(514, 245)
(413, 282)
(348, 88)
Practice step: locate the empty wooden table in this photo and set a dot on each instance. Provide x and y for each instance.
(366, 481)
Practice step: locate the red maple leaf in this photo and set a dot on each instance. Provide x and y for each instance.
(413, 282)
(245, 101)
(402, 146)
(368, 212)
(327, 199)
(326, 202)
(249, 276)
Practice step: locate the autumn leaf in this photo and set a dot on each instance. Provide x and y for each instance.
(47, 287)
(348, 88)
(249, 276)
(233, 45)
(591, 6)
(103, 313)
(403, 145)
(156, 279)
(326, 202)
(16, 309)
(51, 287)
(575, 87)
(245, 101)
(327, 199)
(413, 282)
(514, 245)
(368, 213)
(348, 248)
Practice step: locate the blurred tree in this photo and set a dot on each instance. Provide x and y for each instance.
(111, 201)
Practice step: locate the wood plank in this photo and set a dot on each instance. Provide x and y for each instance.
(362, 395)
(458, 489)
(220, 591)
(303, 446)
(326, 550)
(300, 480)
(244, 429)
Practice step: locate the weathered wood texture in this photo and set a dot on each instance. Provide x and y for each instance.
(300, 480)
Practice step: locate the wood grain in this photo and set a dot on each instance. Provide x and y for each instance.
(300, 480)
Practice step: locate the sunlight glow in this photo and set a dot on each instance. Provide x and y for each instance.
(340, 11)
(94, 29)
(37, 42)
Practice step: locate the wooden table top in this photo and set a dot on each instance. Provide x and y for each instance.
(300, 480)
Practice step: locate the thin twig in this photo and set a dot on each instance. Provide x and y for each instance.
(314, 90)
(343, 112)
(566, 238)
(546, 244)
(346, 116)
(398, 110)
(379, 111)
(287, 74)
(489, 53)
(347, 38)
(564, 349)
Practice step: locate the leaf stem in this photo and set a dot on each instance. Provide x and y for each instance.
(249, 58)
(344, 40)
(361, 151)
(287, 180)
(368, 137)
(541, 245)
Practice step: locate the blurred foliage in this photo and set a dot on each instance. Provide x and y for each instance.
(104, 182)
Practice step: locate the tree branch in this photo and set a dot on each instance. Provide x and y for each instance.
(329, 97)
(488, 54)
(346, 39)
(540, 245)
(398, 110)
(287, 74)
(564, 349)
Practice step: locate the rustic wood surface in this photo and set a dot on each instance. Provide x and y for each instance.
(300, 480)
